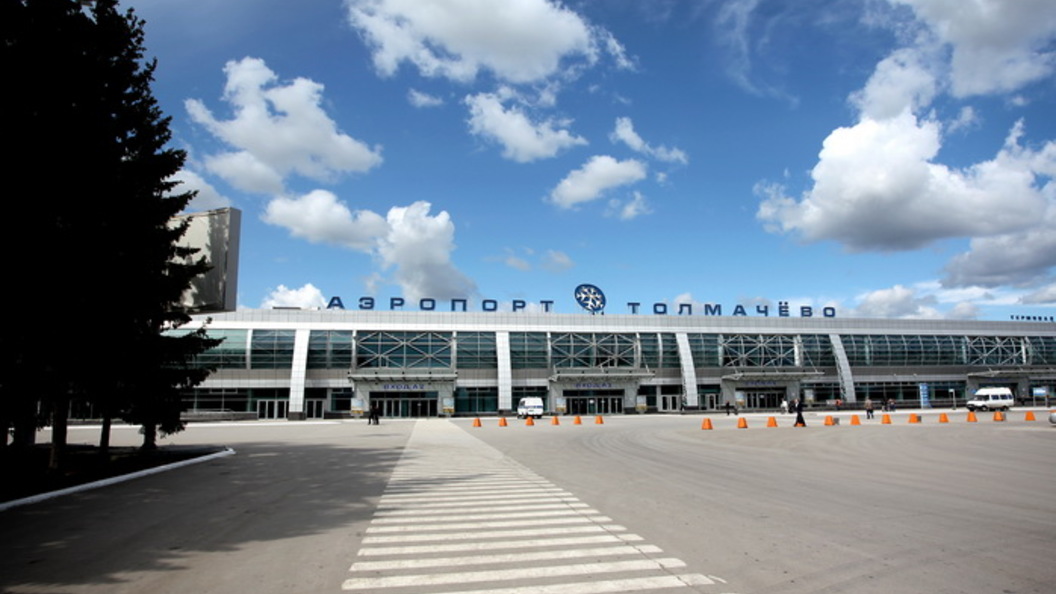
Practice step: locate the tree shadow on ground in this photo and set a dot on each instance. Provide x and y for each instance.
(230, 511)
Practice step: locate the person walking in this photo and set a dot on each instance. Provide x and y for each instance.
(784, 406)
(727, 405)
(373, 418)
(800, 422)
(868, 408)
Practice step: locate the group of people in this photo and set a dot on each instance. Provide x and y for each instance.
(889, 406)
(796, 407)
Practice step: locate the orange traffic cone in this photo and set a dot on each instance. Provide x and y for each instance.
(598, 420)
(999, 416)
(502, 421)
(742, 423)
(529, 422)
(828, 421)
(943, 418)
(855, 420)
(577, 421)
(914, 419)
(476, 422)
(706, 425)
(771, 422)
(971, 416)
(554, 421)
(1030, 416)
(885, 420)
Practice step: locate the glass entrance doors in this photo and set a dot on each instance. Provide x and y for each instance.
(759, 399)
(594, 402)
(272, 409)
(405, 404)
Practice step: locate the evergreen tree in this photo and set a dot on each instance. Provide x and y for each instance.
(91, 156)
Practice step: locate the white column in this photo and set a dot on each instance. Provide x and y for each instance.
(297, 374)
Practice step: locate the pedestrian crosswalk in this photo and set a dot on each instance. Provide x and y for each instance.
(458, 517)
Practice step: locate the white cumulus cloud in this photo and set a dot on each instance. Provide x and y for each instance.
(630, 209)
(523, 140)
(415, 245)
(419, 99)
(624, 132)
(897, 302)
(207, 197)
(518, 41)
(877, 187)
(418, 247)
(306, 297)
(997, 45)
(599, 174)
(879, 184)
(277, 130)
(320, 217)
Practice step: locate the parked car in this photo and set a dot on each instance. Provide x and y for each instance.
(530, 407)
(991, 399)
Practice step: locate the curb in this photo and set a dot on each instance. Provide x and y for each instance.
(112, 480)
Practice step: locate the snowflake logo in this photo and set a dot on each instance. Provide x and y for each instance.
(590, 298)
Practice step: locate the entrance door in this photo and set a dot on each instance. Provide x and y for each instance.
(594, 402)
(313, 409)
(768, 399)
(709, 401)
(670, 403)
(272, 409)
(406, 405)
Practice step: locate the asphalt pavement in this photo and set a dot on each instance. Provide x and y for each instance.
(650, 503)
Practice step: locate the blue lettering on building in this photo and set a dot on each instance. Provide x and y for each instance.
(784, 309)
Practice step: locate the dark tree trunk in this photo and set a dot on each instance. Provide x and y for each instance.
(150, 437)
(59, 422)
(104, 433)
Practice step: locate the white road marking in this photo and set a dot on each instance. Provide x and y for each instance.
(493, 534)
(489, 525)
(456, 511)
(507, 558)
(419, 511)
(499, 545)
(518, 573)
(646, 584)
(531, 514)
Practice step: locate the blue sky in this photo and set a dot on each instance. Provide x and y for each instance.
(886, 158)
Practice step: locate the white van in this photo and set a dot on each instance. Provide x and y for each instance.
(991, 399)
(530, 407)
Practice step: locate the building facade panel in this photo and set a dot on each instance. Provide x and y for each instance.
(307, 364)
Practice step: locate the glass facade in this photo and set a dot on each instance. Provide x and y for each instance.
(574, 350)
(817, 351)
(232, 353)
(476, 400)
(529, 350)
(705, 350)
(330, 349)
(1041, 350)
(903, 350)
(650, 362)
(762, 350)
(338, 349)
(403, 350)
(476, 350)
(271, 349)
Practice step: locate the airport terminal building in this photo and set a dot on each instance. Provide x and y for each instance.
(299, 364)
